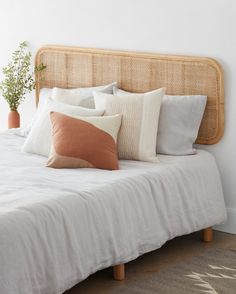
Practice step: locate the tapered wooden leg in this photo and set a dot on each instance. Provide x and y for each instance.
(207, 235)
(119, 272)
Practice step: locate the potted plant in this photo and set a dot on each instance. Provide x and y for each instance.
(18, 81)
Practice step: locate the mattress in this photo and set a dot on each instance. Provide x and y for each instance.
(59, 226)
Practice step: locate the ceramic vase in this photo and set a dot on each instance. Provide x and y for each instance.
(13, 119)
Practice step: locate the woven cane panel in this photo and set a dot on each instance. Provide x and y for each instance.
(136, 72)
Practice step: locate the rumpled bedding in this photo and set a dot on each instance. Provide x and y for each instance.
(59, 226)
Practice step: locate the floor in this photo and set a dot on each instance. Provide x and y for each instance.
(178, 249)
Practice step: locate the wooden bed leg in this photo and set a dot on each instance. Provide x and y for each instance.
(119, 272)
(207, 235)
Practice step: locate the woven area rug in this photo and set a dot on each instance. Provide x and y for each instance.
(212, 273)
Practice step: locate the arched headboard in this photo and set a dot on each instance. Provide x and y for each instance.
(71, 67)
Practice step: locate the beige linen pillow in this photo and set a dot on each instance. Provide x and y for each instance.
(84, 142)
(80, 96)
(140, 115)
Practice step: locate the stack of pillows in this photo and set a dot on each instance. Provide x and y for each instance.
(94, 127)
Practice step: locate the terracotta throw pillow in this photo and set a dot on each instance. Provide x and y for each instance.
(85, 142)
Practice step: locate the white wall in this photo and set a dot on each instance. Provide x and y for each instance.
(203, 27)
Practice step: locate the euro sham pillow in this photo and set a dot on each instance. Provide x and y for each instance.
(140, 115)
(179, 124)
(80, 96)
(84, 142)
(180, 119)
(40, 137)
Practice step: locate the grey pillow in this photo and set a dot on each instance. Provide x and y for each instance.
(179, 122)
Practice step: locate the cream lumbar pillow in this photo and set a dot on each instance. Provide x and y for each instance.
(140, 115)
(40, 137)
(80, 96)
(84, 142)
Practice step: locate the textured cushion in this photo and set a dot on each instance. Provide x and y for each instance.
(180, 119)
(85, 142)
(80, 96)
(140, 115)
(40, 137)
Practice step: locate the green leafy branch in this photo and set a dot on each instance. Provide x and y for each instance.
(19, 80)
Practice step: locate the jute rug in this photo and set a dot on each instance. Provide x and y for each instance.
(212, 273)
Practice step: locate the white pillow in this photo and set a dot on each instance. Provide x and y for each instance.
(140, 115)
(44, 94)
(180, 119)
(40, 137)
(80, 96)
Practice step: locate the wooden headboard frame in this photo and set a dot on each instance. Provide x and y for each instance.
(69, 67)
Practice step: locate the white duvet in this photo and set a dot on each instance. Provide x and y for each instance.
(59, 226)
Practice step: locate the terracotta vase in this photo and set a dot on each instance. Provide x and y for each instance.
(13, 119)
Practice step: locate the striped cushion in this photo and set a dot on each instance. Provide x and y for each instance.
(140, 115)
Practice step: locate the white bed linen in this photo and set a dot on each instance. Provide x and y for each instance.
(59, 226)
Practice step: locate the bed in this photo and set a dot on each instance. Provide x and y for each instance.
(59, 226)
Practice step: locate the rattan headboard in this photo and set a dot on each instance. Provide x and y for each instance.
(69, 67)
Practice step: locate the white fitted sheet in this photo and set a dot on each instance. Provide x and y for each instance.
(59, 226)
